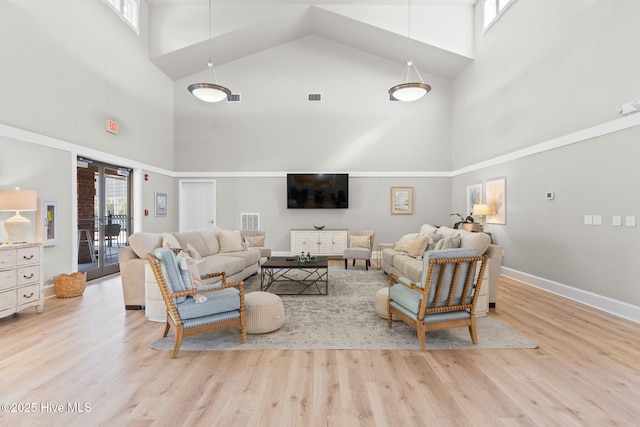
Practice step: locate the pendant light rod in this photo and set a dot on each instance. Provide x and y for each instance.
(408, 91)
(209, 92)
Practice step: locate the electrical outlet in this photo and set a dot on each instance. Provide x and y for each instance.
(588, 219)
(630, 221)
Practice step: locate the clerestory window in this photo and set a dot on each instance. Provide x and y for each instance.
(493, 9)
(127, 10)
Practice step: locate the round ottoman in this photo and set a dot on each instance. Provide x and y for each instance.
(264, 312)
(381, 303)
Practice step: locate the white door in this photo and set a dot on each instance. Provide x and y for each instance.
(197, 204)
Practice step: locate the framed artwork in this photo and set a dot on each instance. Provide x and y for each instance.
(161, 204)
(402, 200)
(496, 199)
(474, 196)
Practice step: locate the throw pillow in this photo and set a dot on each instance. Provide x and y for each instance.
(439, 245)
(452, 242)
(404, 244)
(189, 271)
(192, 252)
(255, 241)
(360, 242)
(230, 241)
(434, 238)
(418, 246)
(170, 241)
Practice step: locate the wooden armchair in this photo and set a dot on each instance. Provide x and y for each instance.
(446, 296)
(224, 307)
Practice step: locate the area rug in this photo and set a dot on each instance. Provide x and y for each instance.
(347, 319)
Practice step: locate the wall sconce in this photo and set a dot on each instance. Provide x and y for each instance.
(18, 200)
(480, 210)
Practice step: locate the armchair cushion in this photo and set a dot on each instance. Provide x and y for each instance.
(255, 241)
(360, 242)
(171, 270)
(217, 302)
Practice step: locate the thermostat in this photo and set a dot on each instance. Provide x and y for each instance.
(550, 195)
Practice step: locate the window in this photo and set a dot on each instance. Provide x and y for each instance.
(127, 10)
(493, 9)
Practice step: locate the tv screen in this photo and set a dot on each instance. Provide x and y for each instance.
(317, 190)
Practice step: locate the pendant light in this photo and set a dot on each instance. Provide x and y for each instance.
(209, 91)
(409, 91)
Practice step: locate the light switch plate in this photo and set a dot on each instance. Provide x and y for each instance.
(630, 221)
(597, 220)
(617, 220)
(588, 219)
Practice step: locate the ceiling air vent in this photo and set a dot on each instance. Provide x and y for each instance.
(314, 97)
(234, 97)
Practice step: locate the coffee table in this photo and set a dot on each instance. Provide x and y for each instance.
(279, 270)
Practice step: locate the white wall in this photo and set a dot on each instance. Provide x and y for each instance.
(62, 75)
(549, 69)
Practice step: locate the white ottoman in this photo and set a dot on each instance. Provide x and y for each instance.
(381, 303)
(264, 312)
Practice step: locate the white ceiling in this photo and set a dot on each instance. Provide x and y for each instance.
(441, 30)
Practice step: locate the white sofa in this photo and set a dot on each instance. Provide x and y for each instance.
(402, 264)
(217, 248)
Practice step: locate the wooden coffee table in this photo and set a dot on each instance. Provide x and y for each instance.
(280, 270)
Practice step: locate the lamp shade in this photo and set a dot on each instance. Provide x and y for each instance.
(18, 200)
(480, 209)
(409, 91)
(209, 92)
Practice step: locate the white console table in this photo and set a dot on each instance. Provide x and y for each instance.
(319, 242)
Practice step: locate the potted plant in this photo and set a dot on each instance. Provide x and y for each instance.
(467, 222)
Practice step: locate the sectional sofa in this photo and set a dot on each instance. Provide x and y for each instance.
(215, 249)
(399, 261)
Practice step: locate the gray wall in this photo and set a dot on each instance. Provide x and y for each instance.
(61, 77)
(530, 86)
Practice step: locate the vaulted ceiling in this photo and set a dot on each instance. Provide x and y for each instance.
(441, 30)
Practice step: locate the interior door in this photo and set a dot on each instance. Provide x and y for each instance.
(197, 204)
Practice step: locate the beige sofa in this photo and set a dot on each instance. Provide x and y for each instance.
(217, 248)
(402, 264)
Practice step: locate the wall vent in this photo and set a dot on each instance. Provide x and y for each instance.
(234, 97)
(314, 97)
(249, 221)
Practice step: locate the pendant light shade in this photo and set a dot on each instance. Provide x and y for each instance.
(407, 90)
(208, 90)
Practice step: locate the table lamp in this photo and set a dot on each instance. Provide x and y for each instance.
(17, 200)
(480, 210)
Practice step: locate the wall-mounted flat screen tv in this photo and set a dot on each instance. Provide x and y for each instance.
(317, 190)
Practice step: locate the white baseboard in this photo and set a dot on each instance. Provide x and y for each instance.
(606, 304)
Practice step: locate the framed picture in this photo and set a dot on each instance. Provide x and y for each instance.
(402, 200)
(161, 204)
(474, 196)
(496, 199)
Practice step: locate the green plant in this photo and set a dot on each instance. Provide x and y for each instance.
(463, 220)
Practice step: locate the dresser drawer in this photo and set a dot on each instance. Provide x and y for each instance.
(28, 274)
(7, 299)
(7, 259)
(8, 279)
(28, 256)
(27, 294)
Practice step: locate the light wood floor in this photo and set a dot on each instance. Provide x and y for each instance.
(90, 350)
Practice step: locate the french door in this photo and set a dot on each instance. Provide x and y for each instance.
(104, 218)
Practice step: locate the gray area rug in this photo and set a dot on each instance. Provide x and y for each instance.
(347, 319)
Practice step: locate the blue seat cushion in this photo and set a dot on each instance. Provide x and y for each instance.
(171, 271)
(217, 302)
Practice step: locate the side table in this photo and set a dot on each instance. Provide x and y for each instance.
(380, 248)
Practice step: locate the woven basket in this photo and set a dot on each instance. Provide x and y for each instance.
(70, 285)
